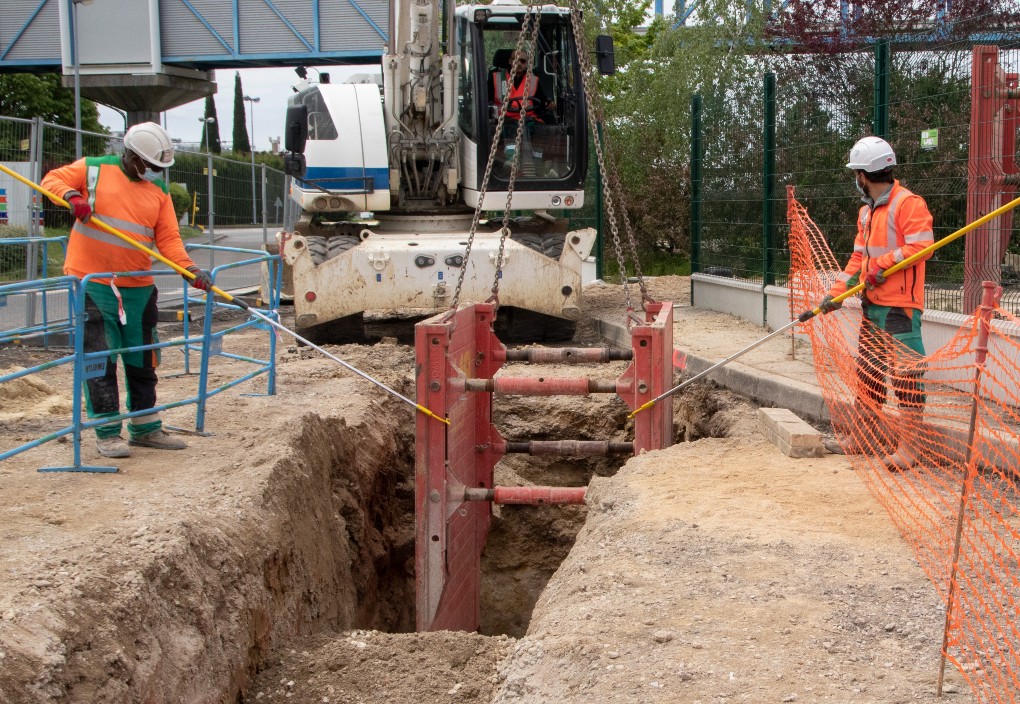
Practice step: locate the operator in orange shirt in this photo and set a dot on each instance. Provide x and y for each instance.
(893, 224)
(129, 193)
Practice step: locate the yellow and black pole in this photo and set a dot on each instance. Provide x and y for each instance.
(809, 314)
(98, 223)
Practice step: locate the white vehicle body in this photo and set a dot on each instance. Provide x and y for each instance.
(413, 156)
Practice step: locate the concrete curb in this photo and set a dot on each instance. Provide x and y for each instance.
(803, 399)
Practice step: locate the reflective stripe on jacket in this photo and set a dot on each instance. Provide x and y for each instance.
(139, 209)
(895, 227)
(502, 81)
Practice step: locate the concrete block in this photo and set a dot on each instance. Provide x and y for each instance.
(789, 433)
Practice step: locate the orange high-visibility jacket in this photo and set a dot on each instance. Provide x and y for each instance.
(503, 81)
(897, 227)
(140, 209)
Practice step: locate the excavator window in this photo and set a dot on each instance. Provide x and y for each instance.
(320, 124)
(467, 112)
(549, 146)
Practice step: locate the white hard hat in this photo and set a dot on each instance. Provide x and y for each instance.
(871, 154)
(151, 142)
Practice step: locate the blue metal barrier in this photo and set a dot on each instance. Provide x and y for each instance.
(27, 291)
(210, 345)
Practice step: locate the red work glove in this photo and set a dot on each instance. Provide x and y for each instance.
(80, 208)
(202, 280)
(874, 277)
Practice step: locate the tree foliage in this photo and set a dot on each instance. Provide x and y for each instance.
(242, 144)
(29, 95)
(648, 112)
(831, 26)
(212, 130)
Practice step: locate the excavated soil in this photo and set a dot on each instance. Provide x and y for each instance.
(273, 560)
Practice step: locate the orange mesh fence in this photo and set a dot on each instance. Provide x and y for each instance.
(936, 440)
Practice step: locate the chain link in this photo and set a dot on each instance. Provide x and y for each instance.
(610, 179)
(484, 187)
(518, 138)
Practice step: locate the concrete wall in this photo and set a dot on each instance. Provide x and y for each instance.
(740, 298)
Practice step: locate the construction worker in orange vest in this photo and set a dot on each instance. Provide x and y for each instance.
(893, 224)
(129, 193)
(521, 96)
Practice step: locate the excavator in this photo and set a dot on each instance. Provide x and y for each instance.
(393, 180)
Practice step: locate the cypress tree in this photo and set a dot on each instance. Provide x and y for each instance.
(213, 130)
(242, 144)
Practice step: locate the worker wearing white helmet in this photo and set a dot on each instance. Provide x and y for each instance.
(130, 193)
(892, 225)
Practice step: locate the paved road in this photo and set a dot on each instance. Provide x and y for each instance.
(21, 310)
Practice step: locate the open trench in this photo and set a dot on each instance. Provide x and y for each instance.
(328, 548)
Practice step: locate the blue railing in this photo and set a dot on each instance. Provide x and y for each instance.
(92, 364)
(27, 292)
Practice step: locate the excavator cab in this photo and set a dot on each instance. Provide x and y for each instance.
(553, 158)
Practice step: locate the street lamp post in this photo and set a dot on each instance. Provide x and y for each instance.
(77, 76)
(206, 122)
(210, 217)
(254, 214)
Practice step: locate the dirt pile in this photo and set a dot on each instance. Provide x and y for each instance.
(173, 580)
(368, 667)
(715, 571)
(30, 397)
(722, 571)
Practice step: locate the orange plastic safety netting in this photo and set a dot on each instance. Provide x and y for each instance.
(937, 441)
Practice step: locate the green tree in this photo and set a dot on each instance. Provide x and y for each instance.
(213, 128)
(28, 96)
(648, 114)
(242, 144)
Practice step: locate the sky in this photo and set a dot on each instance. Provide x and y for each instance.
(272, 86)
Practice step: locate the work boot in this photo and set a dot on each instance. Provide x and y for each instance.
(866, 436)
(912, 425)
(113, 447)
(159, 440)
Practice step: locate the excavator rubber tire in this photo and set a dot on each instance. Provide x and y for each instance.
(548, 244)
(323, 249)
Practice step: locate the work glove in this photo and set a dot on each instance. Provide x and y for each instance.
(80, 208)
(202, 280)
(828, 305)
(874, 277)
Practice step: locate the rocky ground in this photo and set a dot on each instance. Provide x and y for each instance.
(273, 559)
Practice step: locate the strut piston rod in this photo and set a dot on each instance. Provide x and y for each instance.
(572, 448)
(563, 355)
(534, 495)
(543, 386)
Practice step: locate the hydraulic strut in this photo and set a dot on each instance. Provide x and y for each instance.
(457, 359)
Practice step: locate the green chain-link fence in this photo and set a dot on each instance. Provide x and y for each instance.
(917, 96)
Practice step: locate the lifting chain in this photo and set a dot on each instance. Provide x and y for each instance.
(610, 179)
(528, 27)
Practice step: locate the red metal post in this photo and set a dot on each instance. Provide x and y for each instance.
(458, 353)
(650, 375)
(989, 160)
(451, 533)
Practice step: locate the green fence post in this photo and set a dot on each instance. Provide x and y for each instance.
(696, 185)
(768, 175)
(598, 213)
(768, 192)
(880, 125)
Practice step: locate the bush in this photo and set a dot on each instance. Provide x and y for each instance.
(181, 198)
(13, 256)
